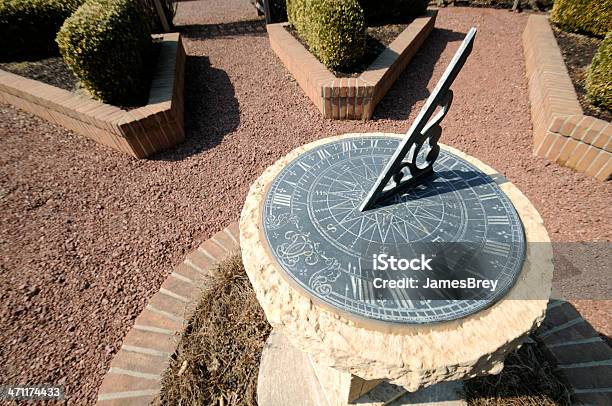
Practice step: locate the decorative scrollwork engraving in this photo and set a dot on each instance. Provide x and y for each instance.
(298, 247)
(273, 222)
(300, 252)
(321, 281)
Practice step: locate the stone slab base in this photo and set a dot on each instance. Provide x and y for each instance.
(287, 376)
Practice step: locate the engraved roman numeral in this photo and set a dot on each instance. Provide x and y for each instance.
(488, 196)
(357, 289)
(347, 146)
(303, 165)
(281, 200)
(498, 220)
(496, 248)
(323, 153)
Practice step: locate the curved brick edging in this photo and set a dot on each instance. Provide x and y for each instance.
(140, 132)
(582, 358)
(561, 132)
(134, 376)
(349, 98)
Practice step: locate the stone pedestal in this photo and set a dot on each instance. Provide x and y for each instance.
(289, 377)
(405, 355)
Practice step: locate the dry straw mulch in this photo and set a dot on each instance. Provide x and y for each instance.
(217, 359)
(526, 380)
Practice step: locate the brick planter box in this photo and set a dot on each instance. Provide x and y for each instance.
(349, 98)
(140, 132)
(561, 132)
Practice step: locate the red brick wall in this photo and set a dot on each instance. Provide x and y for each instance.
(140, 132)
(561, 132)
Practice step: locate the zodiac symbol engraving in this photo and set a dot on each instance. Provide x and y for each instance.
(321, 281)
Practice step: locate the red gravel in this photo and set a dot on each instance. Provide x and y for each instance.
(88, 235)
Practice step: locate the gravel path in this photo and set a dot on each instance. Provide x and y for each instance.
(88, 235)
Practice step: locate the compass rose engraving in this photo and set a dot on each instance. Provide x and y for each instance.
(337, 206)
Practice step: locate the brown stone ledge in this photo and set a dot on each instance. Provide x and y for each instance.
(561, 132)
(134, 376)
(140, 132)
(349, 98)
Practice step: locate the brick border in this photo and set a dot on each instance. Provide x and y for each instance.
(349, 98)
(140, 132)
(561, 132)
(134, 376)
(582, 359)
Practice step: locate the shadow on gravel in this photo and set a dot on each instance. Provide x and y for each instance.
(236, 28)
(211, 109)
(411, 86)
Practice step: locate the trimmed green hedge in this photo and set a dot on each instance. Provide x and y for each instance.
(380, 10)
(107, 44)
(28, 27)
(599, 79)
(587, 16)
(333, 29)
(526, 4)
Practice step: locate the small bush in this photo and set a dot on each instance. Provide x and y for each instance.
(28, 27)
(599, 79)
(587, 16)
(383, 10)
(107, 44)
(333, 29)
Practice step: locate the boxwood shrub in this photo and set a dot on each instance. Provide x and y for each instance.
(333, 29)
(587, 16)
(599, 79)
(107, 44)
(382, 10)
(28, 27)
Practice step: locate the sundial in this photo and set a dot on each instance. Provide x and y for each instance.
(331, 210)
(391, 258)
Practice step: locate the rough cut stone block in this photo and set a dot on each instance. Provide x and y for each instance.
(287, 377)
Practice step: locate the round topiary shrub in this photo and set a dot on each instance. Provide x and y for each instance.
(107, 44)
(599, 79)
(587, 16)
(333, 29)
(382, 10)
(28, 27)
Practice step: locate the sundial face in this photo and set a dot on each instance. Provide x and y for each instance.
(459, 219)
